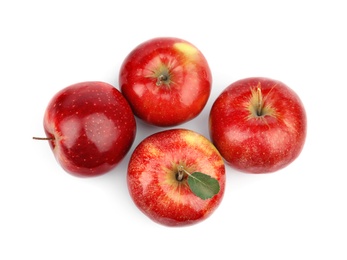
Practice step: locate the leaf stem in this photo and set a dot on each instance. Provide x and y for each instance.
(181, 169)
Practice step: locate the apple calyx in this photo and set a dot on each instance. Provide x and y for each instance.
(257, 106)
(202, 185)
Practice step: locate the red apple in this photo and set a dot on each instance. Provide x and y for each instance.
(176, 177)
(90, 127)
(167, 81)
(258, 125)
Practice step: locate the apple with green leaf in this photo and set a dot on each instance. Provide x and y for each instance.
(176, 177)
(90, 128)
(258, 125)
(167, 81)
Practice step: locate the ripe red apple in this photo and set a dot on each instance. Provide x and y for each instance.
(258, 125)
(176, 177)
(167, 81)
(90, 128)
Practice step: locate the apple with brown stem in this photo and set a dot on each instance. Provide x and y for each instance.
(167, 81)
(258, 125)
(176, 177)
(90, 128)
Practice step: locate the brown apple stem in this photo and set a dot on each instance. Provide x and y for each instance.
(162, 78)
(43, 138)
(260, 102)
(180, 173)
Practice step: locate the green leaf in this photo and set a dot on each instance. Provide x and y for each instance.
(203, 185)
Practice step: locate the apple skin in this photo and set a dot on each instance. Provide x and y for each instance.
(152, 179)
(255, 142)
(167, 81)
(91, 127)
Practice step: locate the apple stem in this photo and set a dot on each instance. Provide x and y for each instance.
(162, 78)
(260, 102)
(43, 138)
(180, 173)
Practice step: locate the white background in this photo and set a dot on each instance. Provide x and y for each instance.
(296, 213)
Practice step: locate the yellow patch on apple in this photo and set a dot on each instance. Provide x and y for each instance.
(152, 150)
(193, 139)
(187, 49)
